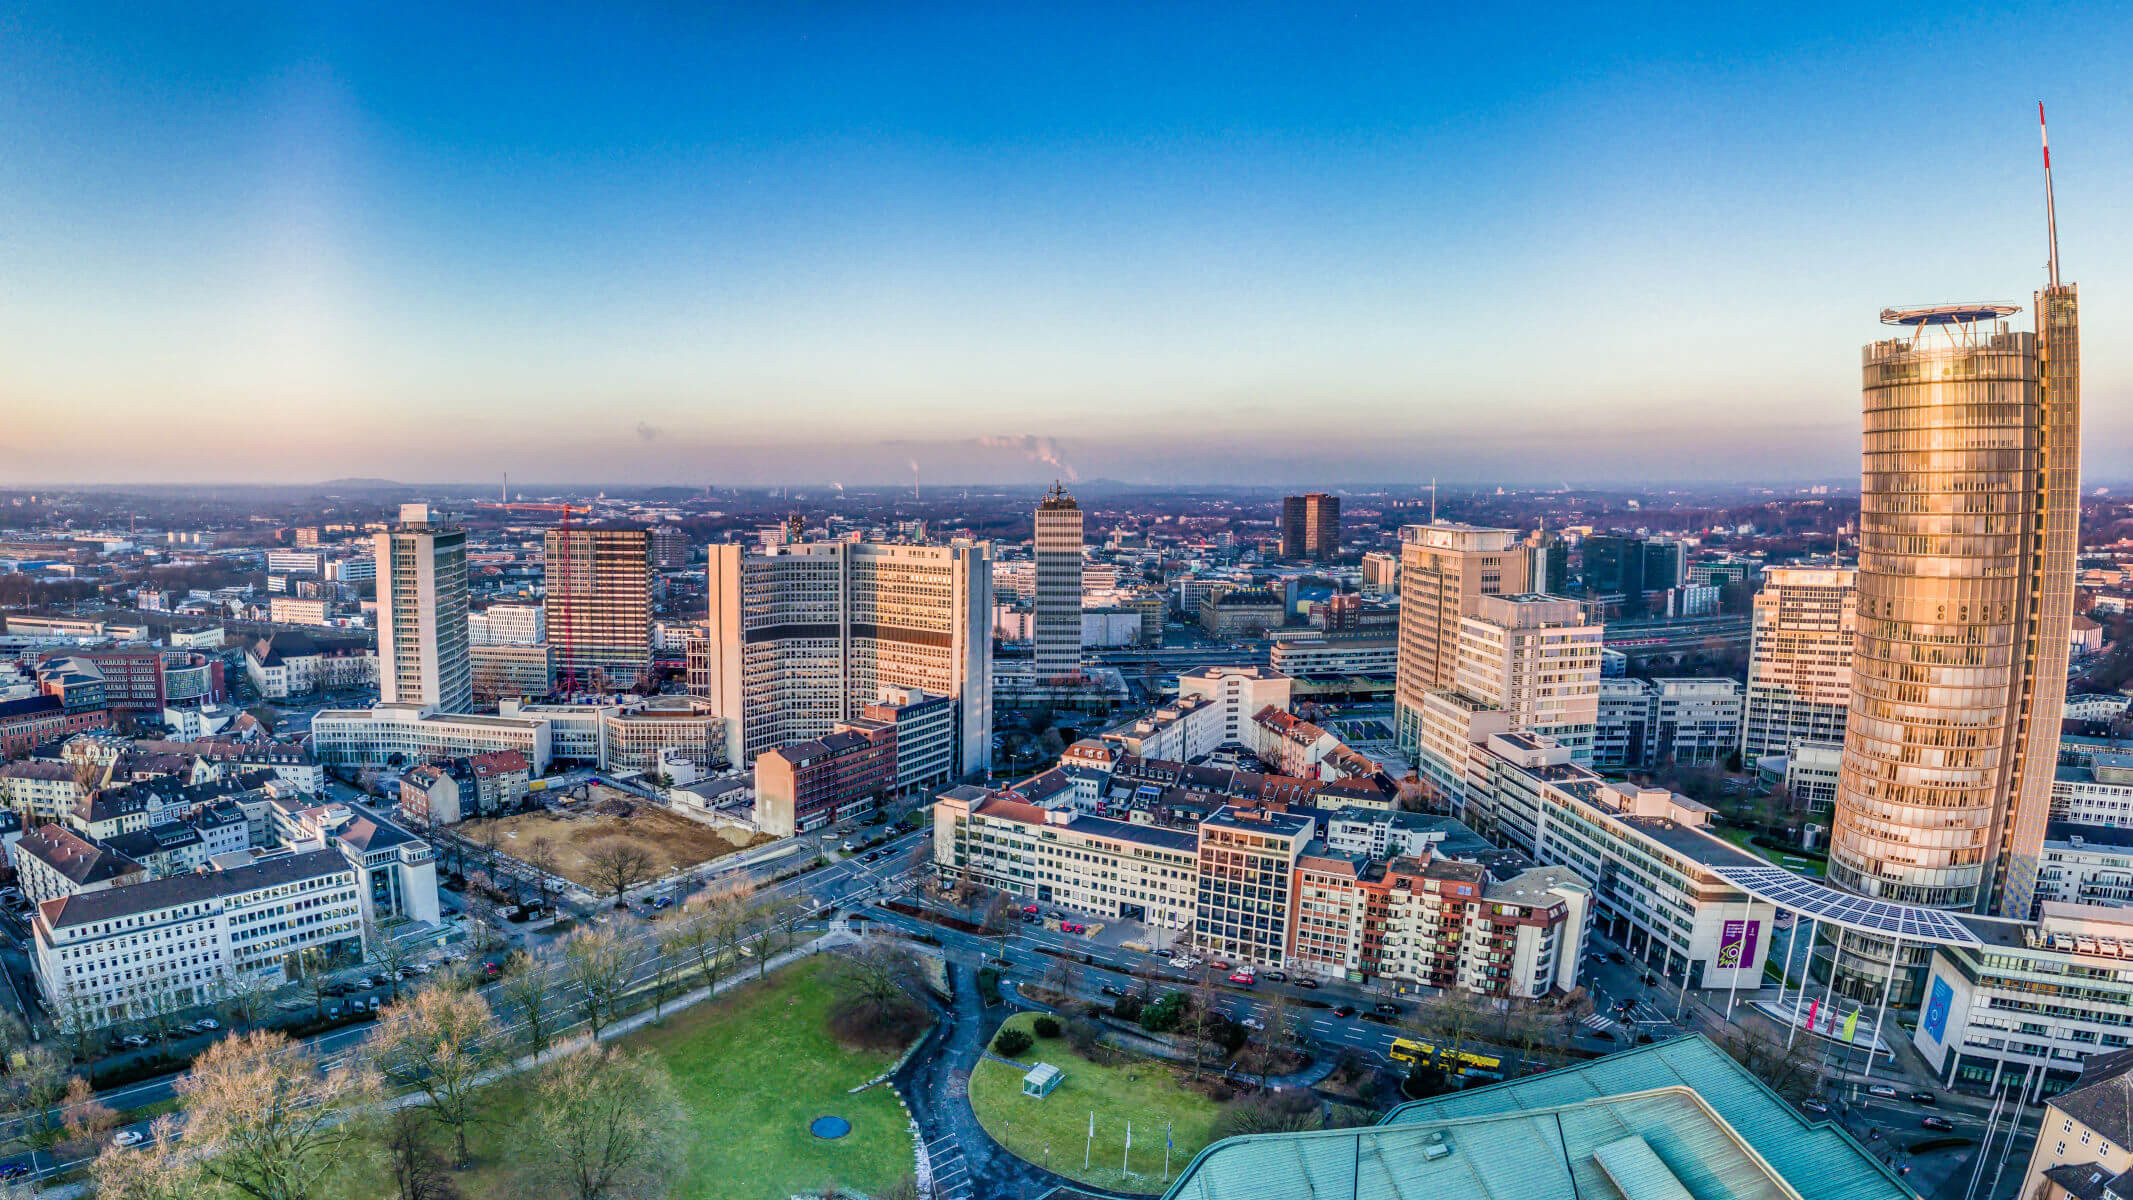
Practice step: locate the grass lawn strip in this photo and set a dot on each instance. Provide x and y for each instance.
(1145, 1091)
(753, 1067)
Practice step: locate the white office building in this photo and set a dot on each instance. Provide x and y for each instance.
(801, 640)
(1056, 623)
(422, 614)
(127, 952)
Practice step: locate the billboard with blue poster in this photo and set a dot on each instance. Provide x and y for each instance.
(1938, 1002)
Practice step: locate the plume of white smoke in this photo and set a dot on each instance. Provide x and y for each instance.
(838, 486)
(913, 464)
(1035, 449)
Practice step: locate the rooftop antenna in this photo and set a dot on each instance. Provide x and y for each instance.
(2051, 211)
(1433, 499)
(505, 495)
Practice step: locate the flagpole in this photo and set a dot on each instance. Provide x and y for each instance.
(1127, 1153)
(1166, 1151)
(1092, 1140)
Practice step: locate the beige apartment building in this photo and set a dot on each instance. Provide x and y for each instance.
(598, 606)
(1445, 569)
(1800, 659)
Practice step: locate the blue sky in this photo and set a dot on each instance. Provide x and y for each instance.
(792, 242)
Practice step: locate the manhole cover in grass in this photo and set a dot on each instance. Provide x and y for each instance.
(829, 1128)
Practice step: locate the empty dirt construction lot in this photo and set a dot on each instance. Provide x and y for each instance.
(673, 841)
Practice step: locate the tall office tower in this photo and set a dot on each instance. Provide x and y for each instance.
(422, 614)
(1381, 574)
(1550, 568)
(670, 547)
(1056, 617)
(1537, 659)
(1445, 570)
(795, 527)
(1799, 659)
(1614, 563)
(799, 640)
(1311, 527)
(598, 599)
(1665, 565)
(1967, 520)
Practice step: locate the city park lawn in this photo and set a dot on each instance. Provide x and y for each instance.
(753, 1068)
(1148, 1092)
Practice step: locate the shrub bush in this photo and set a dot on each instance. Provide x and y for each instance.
(1045, 1027)
(1085, 1035)
(1012, 1043)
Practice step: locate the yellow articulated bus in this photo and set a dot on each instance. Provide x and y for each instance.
(1464, 1062)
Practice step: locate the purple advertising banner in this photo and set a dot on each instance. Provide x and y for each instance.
(1736, 944)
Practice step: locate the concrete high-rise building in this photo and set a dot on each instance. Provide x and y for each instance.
(1056, 615)
(508, 625)
(1381, 574)
(422, 614)
(598, 601)
(1799, 659)
(1536, 658)
(670, 547)
(1445, 570)
(798, 641)
(1311, 527)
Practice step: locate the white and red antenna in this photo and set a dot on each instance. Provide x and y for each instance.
(2051, 212)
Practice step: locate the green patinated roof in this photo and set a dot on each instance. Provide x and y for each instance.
(1651, 1123)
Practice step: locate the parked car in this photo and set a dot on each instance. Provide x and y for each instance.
(1030, 910)
(1344, 1010)
(128, 1137)
(208, 1023)
(1615, 956)
(1241, 978)
(1883, 1090)
(1278, 976)
(1305, 981)
(662, 902)
(1942, 1124)
(1386, 1007)
(1112, 989)
(134, 1039)
(1817, 1107)
(1252, 1023)
(16, 1170)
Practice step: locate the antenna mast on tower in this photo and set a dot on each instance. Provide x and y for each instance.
(2051, 210)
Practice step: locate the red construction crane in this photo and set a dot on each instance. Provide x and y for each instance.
(557, 582)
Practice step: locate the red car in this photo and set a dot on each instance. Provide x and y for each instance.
(1029, 908)
(1241, 977)
(1071, 927)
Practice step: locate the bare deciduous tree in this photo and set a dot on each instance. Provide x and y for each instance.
(261, 1116)
(35, 1089)
(418, 1172)
(243, 1000)
(617, 864)
(596, 965)
(85, 1120)
(530, 994)
(540, 857)
(602, 1127)
(1795, 1077)
(389, 954)
(438, 1043)
(155, 1170)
